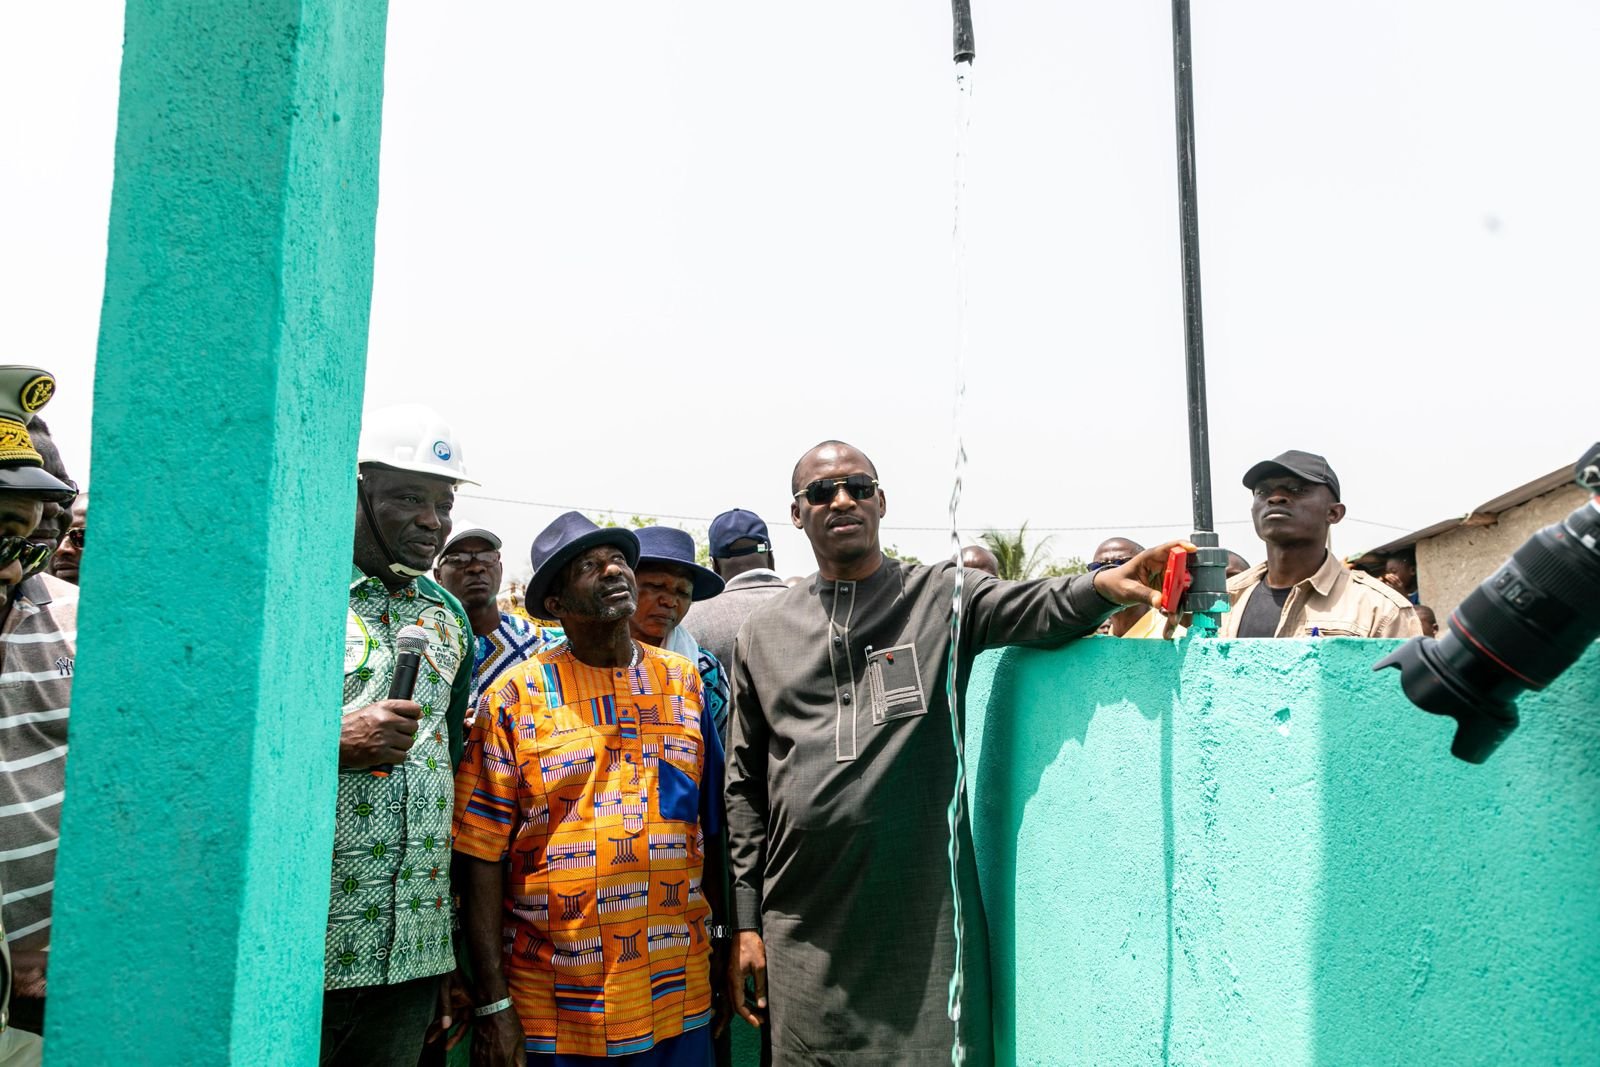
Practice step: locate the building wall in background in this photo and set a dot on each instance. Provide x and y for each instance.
(1259, 852)
(1453, 564)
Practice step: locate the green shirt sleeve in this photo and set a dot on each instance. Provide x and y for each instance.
(461, 689)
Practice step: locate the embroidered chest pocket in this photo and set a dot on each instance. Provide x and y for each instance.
(894, 684)
(358, 643)
(446, 642)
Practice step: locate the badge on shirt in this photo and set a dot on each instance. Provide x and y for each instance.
(357, 643)
(444, 639)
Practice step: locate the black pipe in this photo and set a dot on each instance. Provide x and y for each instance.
(1208, 591)
(1189, 228)
(962, 12)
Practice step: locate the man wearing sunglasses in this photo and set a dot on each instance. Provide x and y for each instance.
(38, 637)
(841, 767)
(57, 516)
(1114, 552)
(69, 555)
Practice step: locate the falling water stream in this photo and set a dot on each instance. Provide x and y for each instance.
(958, 241)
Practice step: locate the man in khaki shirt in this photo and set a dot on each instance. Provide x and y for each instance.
(1303, 590)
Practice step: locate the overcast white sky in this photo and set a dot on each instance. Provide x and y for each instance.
(645, 254)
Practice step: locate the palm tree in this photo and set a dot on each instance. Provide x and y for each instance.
(1016, 561)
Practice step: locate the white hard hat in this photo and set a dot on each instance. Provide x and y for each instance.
(412, 437)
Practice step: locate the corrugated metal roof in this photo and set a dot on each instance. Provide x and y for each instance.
(1484, 514)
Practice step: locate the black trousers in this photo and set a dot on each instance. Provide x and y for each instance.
(377, 1025)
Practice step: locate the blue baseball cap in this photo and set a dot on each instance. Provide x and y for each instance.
(738, 525)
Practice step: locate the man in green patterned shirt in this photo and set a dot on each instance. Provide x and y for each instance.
(390, 912)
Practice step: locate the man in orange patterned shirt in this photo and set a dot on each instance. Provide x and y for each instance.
(591, 782)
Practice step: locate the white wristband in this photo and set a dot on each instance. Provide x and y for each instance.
(492, 1009)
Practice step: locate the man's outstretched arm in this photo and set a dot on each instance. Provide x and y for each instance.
(1052, 610)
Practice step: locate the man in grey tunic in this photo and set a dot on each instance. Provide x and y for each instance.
(840, 770)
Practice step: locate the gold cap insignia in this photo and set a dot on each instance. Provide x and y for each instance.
(36, 392)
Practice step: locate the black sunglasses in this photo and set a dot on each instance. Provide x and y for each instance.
(32, 554)
(1101, 564)
(75, 535)
(823, 490)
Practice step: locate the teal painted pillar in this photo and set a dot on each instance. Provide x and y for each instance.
(192, 887)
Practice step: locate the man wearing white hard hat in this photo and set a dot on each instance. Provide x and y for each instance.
(470, 568)
(389, 915)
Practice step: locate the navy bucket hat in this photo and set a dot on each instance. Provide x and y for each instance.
(563, 541)
(666, 544)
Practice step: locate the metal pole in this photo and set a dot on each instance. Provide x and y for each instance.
(1208, 592)
(961, 11)
(1189, 227)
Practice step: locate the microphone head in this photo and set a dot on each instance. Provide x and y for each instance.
(412, 639)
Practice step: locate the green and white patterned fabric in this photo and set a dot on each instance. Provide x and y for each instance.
(390, 912)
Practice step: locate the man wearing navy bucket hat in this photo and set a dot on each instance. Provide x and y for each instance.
(588, 805)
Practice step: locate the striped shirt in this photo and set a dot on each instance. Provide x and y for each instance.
(517, 638)
(38, 643)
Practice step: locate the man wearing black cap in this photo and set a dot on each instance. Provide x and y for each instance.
(1302, 590)
(38, 641)
(741, 553)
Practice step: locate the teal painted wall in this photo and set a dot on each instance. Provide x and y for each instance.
(1259, 852)
(192, 894)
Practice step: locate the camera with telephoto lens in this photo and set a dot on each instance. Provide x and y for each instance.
(1519, 630)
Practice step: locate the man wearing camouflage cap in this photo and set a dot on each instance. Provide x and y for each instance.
(38, 638)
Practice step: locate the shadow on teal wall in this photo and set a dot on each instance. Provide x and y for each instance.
(1259, 852)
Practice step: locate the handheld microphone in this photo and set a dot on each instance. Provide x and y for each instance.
(409, 645)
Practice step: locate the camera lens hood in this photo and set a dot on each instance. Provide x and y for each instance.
(1481, 723)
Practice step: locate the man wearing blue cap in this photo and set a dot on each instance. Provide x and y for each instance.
(741, 554)
(585, 805)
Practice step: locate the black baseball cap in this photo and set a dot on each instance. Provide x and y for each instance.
(738, 525)
(1306, 466)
